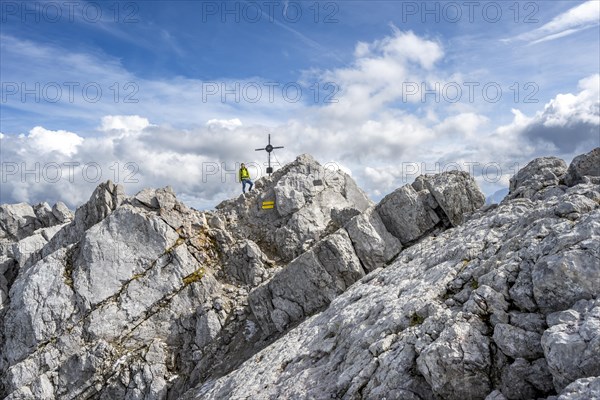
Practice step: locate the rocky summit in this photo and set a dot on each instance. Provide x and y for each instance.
(427, 294)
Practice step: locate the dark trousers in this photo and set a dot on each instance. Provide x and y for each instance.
(245, 182)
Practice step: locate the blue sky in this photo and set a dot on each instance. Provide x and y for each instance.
(154, 74)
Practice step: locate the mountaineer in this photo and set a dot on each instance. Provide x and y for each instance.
(244, 177)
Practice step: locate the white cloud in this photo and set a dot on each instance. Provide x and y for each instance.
(382, 177)
(569, 121)
(374, 80)
(581, 17)
(45, 141)
(224, 123)
(124, 123)
(466, 125)
(370, 130)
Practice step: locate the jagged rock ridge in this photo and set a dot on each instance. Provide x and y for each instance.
(424, 295)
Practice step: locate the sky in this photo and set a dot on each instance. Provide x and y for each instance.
(178, 93)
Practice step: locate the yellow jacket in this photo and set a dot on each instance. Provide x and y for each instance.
(244, 174)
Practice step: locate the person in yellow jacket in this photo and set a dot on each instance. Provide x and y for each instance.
(244, 177)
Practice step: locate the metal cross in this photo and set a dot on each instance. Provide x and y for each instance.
(269, 148)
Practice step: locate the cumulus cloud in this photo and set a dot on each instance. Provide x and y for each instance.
(44, 141)
(375, 78)
(381, 139)
(571, 21)
(224, 123)
(124, 123)
(569, 121)
(200, 163)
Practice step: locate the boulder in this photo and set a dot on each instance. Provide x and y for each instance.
(62, 213)
(585, 167)
(457, 364)
(540, 173)
(374, 245)
(407, 215)
(17, 221)
(582, 389)
(572, 347)
(457, 194)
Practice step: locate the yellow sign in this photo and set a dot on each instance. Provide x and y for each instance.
(267, 205)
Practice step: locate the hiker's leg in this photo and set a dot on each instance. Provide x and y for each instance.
(243, 186)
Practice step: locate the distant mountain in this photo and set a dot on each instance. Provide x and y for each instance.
(497, 196)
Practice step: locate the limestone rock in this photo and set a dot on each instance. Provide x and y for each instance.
(538, 174)
(584, 167)
(526, 380)
(372, 242)
(572, 347)
(582, 389)
(457, 364)
(561, 279)
(457, 194)
(114, 251)
(518, 343)
(246, 263)
(423, 296)
(406, 215)
(17, 221)
(62, 213)
(460, 313)
(305, 194)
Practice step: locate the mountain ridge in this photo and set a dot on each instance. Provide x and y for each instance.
(142, 297)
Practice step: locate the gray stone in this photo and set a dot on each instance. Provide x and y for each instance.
(62, 213)
(572, 348)
(457, 194)
(115, 250)
(582, 389)
(406, 215)
(300, 289)
(373, 244)
(584, 166)
(207, 328)
(535, 176)
(561, 279)
(525, 380)
(246, 263)
(336, 254)
(43, 213)
(516, 342)
(495, 395)
(457, 364)
(40, 295)
(17, 221)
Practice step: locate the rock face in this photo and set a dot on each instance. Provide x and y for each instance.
(424, 295)
(584, 168)
(329, 267)
(538, 178)
(306, 195)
